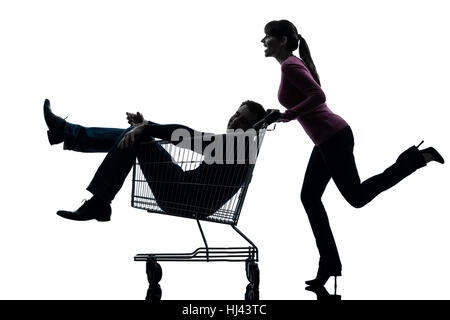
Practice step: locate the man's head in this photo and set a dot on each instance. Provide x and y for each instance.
(246, 116)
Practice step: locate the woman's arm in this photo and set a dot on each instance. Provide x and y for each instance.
(300, 77)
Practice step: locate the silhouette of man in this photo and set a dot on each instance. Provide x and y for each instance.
(123, 146)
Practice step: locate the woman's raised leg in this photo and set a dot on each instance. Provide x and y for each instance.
(339, 158)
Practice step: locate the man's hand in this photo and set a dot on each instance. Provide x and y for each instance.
(132, 137)
(135, 119)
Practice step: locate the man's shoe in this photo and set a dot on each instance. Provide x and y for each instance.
(93, 208)
(55, 125)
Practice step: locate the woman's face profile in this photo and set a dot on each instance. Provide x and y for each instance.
(272, 44)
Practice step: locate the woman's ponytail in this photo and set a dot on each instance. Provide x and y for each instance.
(305, 55)
(285, 28)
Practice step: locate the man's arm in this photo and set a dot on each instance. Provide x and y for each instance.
(183, 136)
(136, 119)
(169, 131)
(177, 134)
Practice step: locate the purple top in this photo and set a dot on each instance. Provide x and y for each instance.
(304, 100)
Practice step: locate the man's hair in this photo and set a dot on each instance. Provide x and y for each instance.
(255, 108)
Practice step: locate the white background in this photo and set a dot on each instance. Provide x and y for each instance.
(384, 67)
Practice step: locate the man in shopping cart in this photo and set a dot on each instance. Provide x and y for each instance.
(123, 146)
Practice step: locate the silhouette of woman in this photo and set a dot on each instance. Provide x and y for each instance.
(332, 156)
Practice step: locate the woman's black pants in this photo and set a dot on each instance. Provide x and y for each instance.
(334, 159)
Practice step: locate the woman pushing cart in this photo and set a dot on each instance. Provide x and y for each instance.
(332, 156)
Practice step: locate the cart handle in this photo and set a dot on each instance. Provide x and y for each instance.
(272, 115)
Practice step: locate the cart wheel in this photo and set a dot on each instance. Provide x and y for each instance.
(154, 275)
(154, 272)
(251, 294)
(154, 293)
(252, 271)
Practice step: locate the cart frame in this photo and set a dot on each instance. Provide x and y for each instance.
(248, 254)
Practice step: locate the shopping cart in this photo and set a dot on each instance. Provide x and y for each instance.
(175, 180)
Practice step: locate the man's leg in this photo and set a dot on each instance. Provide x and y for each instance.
(76, 137)
(90, 139)
(162, 175)
(113, 171)
(107, 182)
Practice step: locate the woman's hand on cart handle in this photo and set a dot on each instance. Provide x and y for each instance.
(282, 118)
(271, 116)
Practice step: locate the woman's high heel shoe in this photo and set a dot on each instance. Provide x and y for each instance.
(320, 281)
(433, 154)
